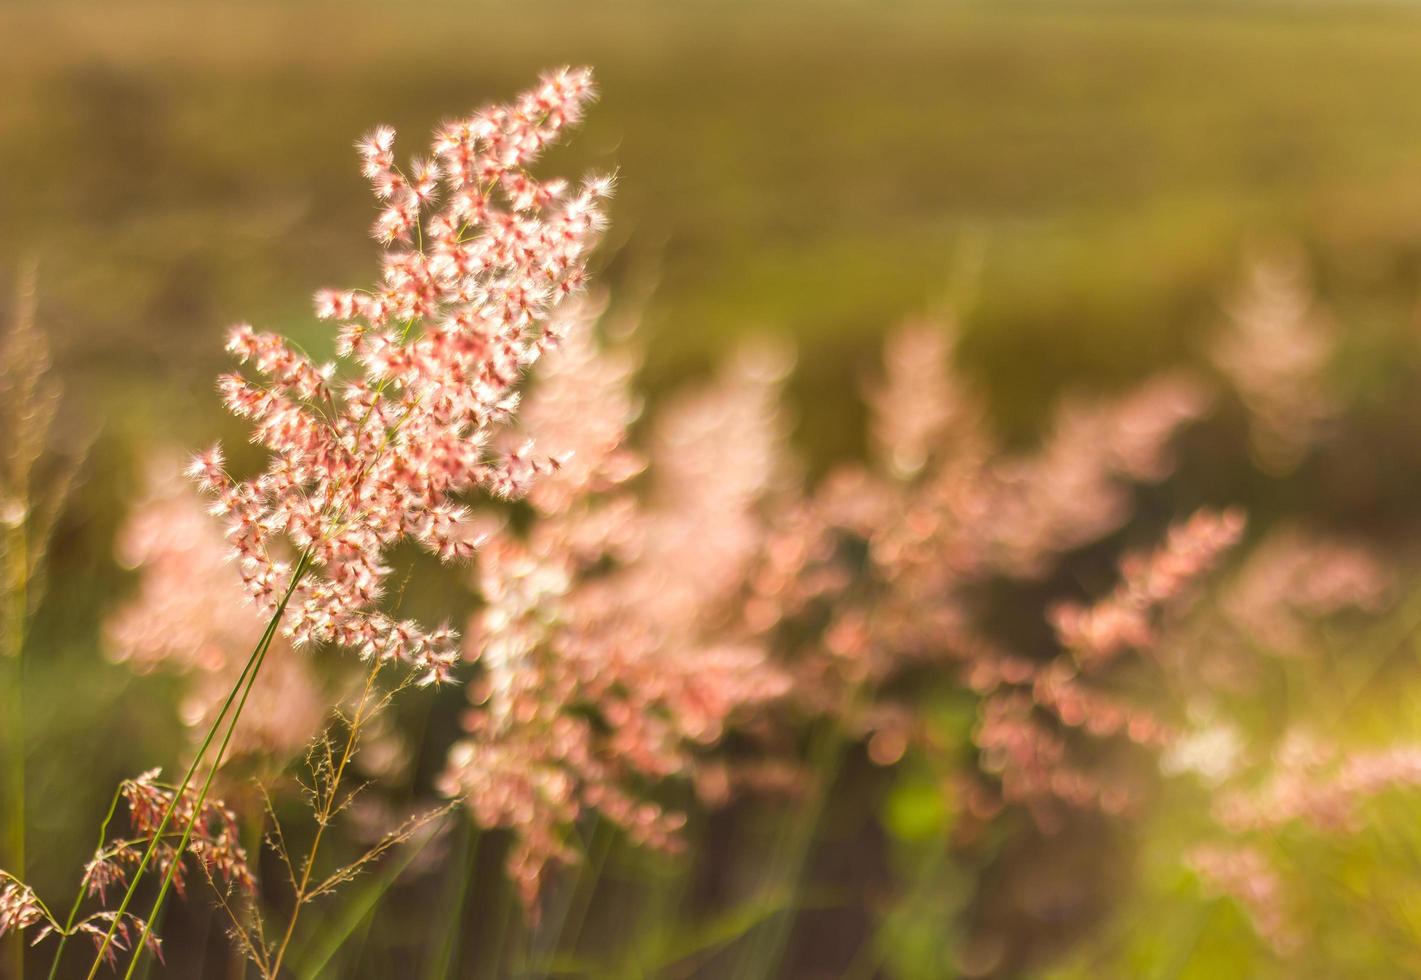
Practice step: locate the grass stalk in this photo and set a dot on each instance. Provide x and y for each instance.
(323, 818)
(356, 914)
(17, 603)
(241, 688)
(461, 873)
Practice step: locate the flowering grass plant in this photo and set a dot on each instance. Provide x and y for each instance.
(478, 255)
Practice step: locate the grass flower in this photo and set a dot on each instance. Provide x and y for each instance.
(604, 666)
(1276, 354)
(360, 463)
(36, 477)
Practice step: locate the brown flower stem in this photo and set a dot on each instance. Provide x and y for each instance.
(324, 817)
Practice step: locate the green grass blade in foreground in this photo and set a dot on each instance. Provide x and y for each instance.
(717, 933)
(461, 872)
(202, 795)
(323, 948)
(198, 804)
(765, 945)
(566, 924)
(247, 675)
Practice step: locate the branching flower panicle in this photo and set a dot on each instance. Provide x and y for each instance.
(887, 562)
(478, 255)
(214, 844)
(213, 847)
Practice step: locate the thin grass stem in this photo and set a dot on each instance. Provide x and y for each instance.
(242, 686)
(176, 861)
(324, 817)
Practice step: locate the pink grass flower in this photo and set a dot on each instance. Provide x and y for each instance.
(1276, 354)
(1245, 874)
(1123, 620)
(605, 665)
(381, 446)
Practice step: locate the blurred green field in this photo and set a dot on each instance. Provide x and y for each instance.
(1077, 180)
(819, 169)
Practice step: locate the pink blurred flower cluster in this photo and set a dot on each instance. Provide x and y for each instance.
(628, 626)
(606, 661)
(1310, 782)
(189, 616)
(877, 575)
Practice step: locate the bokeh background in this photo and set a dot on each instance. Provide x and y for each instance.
(1080, 183)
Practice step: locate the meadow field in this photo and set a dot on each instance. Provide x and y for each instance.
(1083, 194)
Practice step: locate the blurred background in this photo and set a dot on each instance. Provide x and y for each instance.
(1083, 186)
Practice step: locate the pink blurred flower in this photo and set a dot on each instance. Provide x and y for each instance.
(190, 616)
(1245, 874)
(1276, 355)
(1294, 577)
(605, 663)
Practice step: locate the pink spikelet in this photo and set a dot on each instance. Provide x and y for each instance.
(1123, 620)
(379, 447)
(214, 844)
(19, 907)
